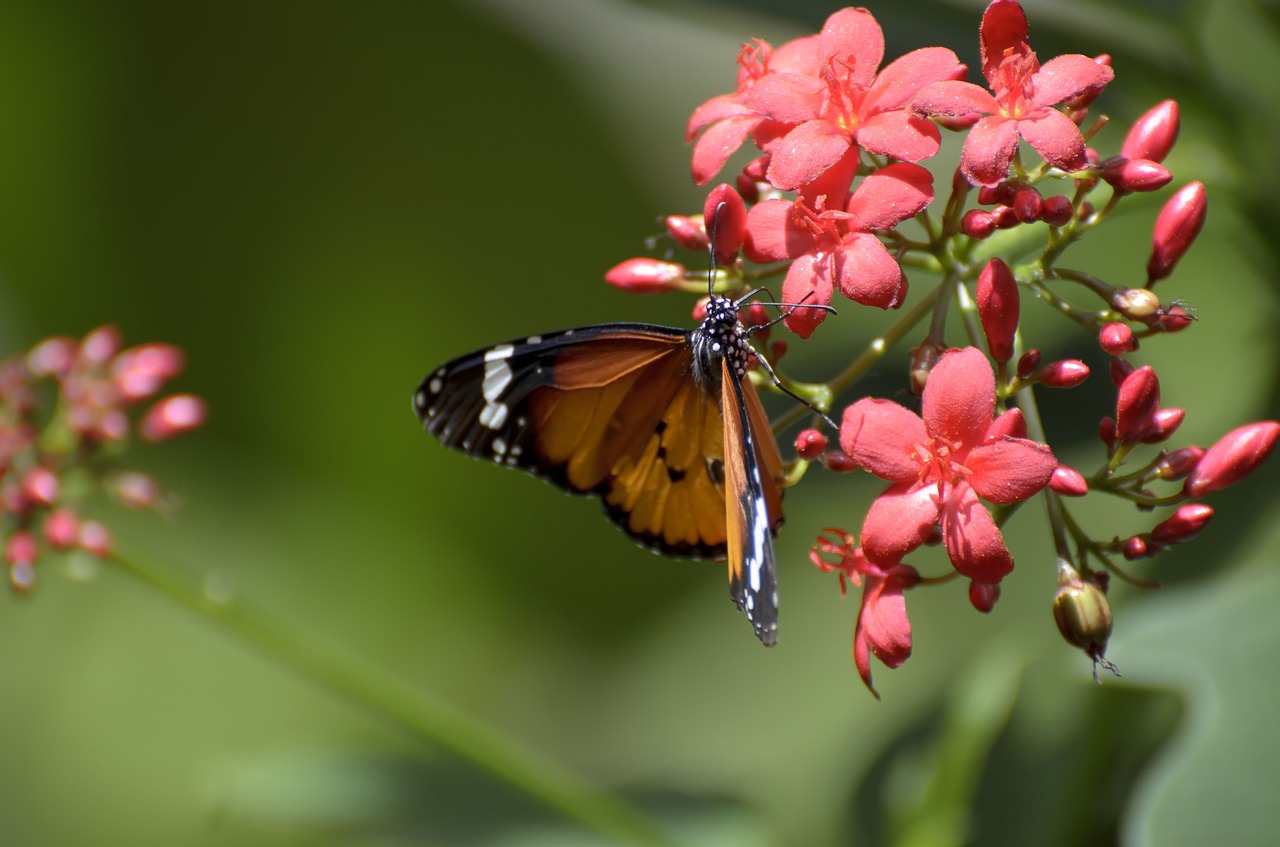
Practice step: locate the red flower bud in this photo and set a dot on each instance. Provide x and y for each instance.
(1004, 217)
(839, 462)
(100, 345)
(645, 276)
(1068, 482)
(747, 188)
(1067, 373)
(1179, 463)
(135, 490)
(140, 371)
(40, 485)
(1027, 204)
(1137, 404)
(1120, 370)
(688, 232)
(810, 444)
(983, 596)
(1107, 430)
(757, 169)
(174, 415)
(1172, 319)
(1057, 210)
(1135, 548)
(20, 547)
(1183, 525)
(923, 359)
(95, 538)
(1083, 615)
(1028, 363)
(1152, 135)
(958, 123)
(1126, 175)
(1117, 338)
(977, 224)
(1236, 455)
(1176, 228)
(995, 195)
(52, 357)
(725, 216)
(997, 295)
(1010, 423)
(61, 528)
(1164, 424)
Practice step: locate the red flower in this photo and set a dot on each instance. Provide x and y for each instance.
(883, 629)
(833, 245)
(940, 464)
(1021, 101)
(846, 103)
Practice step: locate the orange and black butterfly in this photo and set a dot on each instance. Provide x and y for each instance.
(663, 424)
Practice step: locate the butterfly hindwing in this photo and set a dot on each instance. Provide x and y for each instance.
(753, 501)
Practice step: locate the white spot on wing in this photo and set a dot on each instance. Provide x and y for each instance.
(436, 384)
(499, 446)
(534, 339)
(494, 415)
(497, 376)
(502, 351)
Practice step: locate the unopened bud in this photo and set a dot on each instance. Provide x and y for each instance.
(839, 462)
(1136, 404)
(1107, 430)
(978, 224)
(20, 547)
(998, 305)
(1067, 373)
(1126, 175)
(40, 485)
(1120, 369)
(1068, 482)
(95, 538)
(1028, 205)
(1236, 455)
(687, 231)
(1179, 463)
(62, 528)
(810, 444)
(1117, 339)
(983, 596)
(1004, 217)
(1164, 424)
(1135, 548)
(996, 195)
(645, 276)
(1177, 226)
(174, 415)
(1056, 210)
(1152, 135)
(1010, 422)
(1173, 319)
(52, 357)
(1028, 363)
(725, 217)
(100, 345)
(1183, 525)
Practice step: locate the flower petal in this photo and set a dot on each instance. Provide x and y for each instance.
(805, 153)
(787, 98)
(890, 196)
(797, 56)
(960, 397)
(883, 628)
(900, 520)
(716, 109)
(900, 135)
(1056, 138)
(1066, 77)
(953, 97)
(808, 281)
(1009, 470)
(868, 274)
(853, 36)
(989, 149)
(1004, 28)
(972, 539)
(882, 437)
(902, 78)
(714, 147)
(771, 237)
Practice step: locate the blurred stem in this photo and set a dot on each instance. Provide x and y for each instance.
(419, 713)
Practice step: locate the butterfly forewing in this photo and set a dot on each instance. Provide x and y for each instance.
(753, 507)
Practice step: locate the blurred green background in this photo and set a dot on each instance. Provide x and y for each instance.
(321, 202)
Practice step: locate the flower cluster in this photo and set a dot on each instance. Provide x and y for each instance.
(58, 445)
(837, 201)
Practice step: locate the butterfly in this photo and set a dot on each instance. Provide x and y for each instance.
(663, 424)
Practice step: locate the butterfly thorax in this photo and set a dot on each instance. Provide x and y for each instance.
(720, 337)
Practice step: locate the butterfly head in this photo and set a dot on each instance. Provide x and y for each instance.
(720, 337)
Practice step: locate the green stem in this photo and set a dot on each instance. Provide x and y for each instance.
(419, 713)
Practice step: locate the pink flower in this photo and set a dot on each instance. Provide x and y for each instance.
(832, 244)
(1021, 101)
(940, 463)
(846, 103)
(883, 629)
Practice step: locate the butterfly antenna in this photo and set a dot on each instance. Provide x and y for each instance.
(711, 248)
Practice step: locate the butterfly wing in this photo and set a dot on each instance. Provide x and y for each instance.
(753, 502)
(610, 409)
